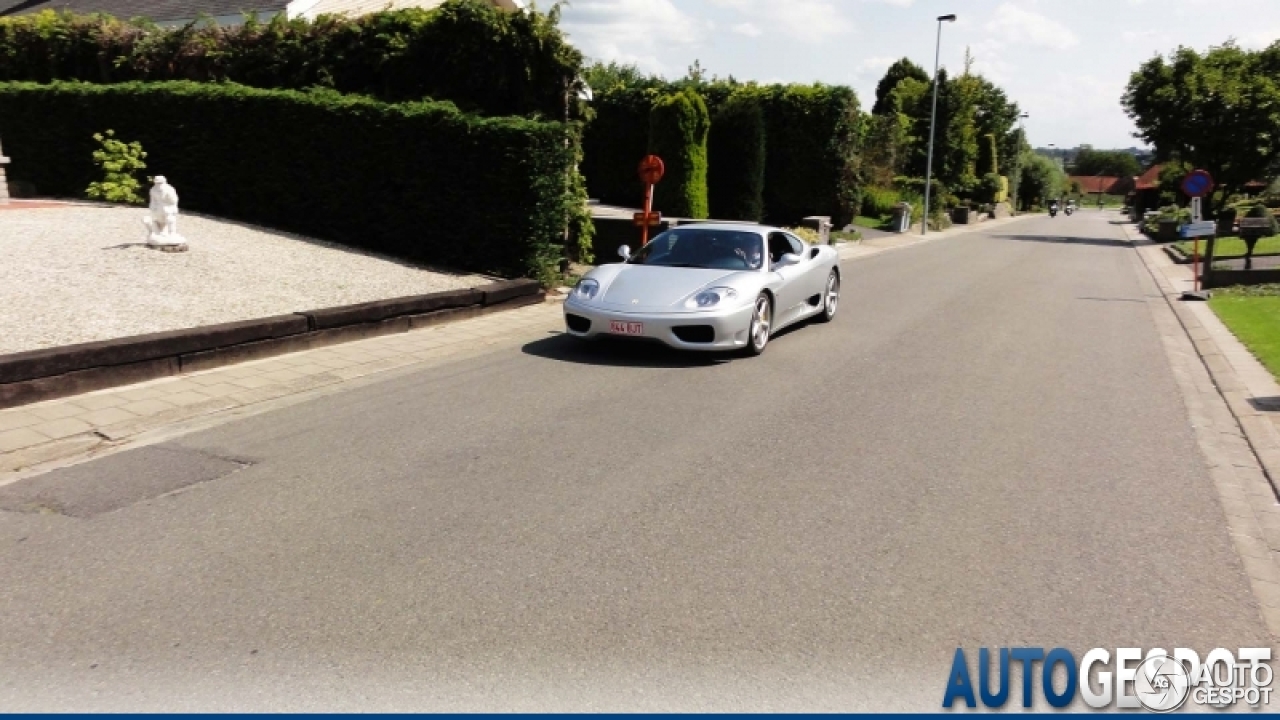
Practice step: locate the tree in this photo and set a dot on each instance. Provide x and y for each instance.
(988, 156)
(602, 77)
(678, 127)
(897, 72)
(1111, 163)
(1042, 179)
(1219, 111)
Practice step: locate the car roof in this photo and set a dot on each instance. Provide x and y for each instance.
(737, 226)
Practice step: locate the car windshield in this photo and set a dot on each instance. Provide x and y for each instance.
(703, 248)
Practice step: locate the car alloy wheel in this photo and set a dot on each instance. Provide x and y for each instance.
(761, 325)
(831, 299)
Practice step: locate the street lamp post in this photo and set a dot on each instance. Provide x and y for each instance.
(933, 117)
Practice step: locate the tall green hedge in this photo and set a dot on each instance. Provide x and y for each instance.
(678, 126)
(465, 51)
(811, 166)
(419, 180)
(736, 159)
(613, 144)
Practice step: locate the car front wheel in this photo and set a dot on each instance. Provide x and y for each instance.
(761, 325)
(830, 298)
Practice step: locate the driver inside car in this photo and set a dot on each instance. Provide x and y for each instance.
(749, 250)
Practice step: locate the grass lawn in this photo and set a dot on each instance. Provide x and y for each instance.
(1233, 246)
(870, 222)
(1253, 314)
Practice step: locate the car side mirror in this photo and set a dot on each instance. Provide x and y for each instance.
(788, 259)
(624, 252)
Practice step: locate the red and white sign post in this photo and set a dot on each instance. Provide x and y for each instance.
(651, 170)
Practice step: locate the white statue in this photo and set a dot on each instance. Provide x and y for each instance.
(162, 222)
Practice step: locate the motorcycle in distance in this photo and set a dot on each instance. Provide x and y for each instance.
(1053, 209)
(1070, 208)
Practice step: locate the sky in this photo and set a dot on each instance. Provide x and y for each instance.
(1065, 62)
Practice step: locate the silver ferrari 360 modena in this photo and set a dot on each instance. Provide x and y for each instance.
(713, 286)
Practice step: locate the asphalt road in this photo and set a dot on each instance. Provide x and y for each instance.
(986, 448)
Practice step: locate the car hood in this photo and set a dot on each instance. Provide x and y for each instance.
(657, 288)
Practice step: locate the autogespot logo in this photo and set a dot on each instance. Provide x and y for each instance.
(1157, 680)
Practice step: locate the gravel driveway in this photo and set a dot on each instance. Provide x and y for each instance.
(79, 273)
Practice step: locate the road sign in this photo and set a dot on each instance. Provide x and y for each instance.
(651, 169)
(1199, 229)
(654, 218)
(1197, 183)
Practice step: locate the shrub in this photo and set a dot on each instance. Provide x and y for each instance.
(421, 181)
(678, 126)
(879, 202)
(736, 159)
(989, 188)
(465, 51)
(806, 234)
(1260, 210)
(120, 163)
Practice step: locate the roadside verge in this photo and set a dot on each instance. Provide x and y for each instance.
(46, 374)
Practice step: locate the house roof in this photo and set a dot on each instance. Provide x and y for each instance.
(1150, 180)
(157, 10)
(1095, 183)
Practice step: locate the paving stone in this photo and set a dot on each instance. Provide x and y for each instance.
(147, 407)
(56, 429)
(55, 411)
(107, 416)
(19, 438)
(100, 402)
(14, 419)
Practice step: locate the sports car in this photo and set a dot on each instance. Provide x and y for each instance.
(712, 286)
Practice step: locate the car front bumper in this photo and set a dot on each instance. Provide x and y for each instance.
(727, 329)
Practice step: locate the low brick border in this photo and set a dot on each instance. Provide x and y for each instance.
(47, 374)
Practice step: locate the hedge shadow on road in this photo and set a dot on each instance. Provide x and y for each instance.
(619, 353)
(1060, 240)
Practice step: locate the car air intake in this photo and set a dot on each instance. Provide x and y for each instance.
(577, 323)
(695, 333)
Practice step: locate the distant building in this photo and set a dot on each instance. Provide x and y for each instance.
(223, 12)
(1095, 184)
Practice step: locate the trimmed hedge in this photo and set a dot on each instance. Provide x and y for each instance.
(466, 51)
(614, 143)
(736, 160)
(811, 164)
(421, 181)
(810, 147)
(678, 126)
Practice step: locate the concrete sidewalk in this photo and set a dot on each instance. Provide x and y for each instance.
(1251, 391)
(37, 437)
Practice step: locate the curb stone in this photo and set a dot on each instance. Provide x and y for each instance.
(1260, 432)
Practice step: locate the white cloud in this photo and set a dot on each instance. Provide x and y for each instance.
(808, 20)
(1260, 39)
(633, 31)
(748, 29)
(873, 65)
(1015, 25)
(899, 3)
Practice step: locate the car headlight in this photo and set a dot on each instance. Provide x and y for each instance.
(586, 289)
(711, 297)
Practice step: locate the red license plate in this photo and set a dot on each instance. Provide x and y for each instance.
(619, 327)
